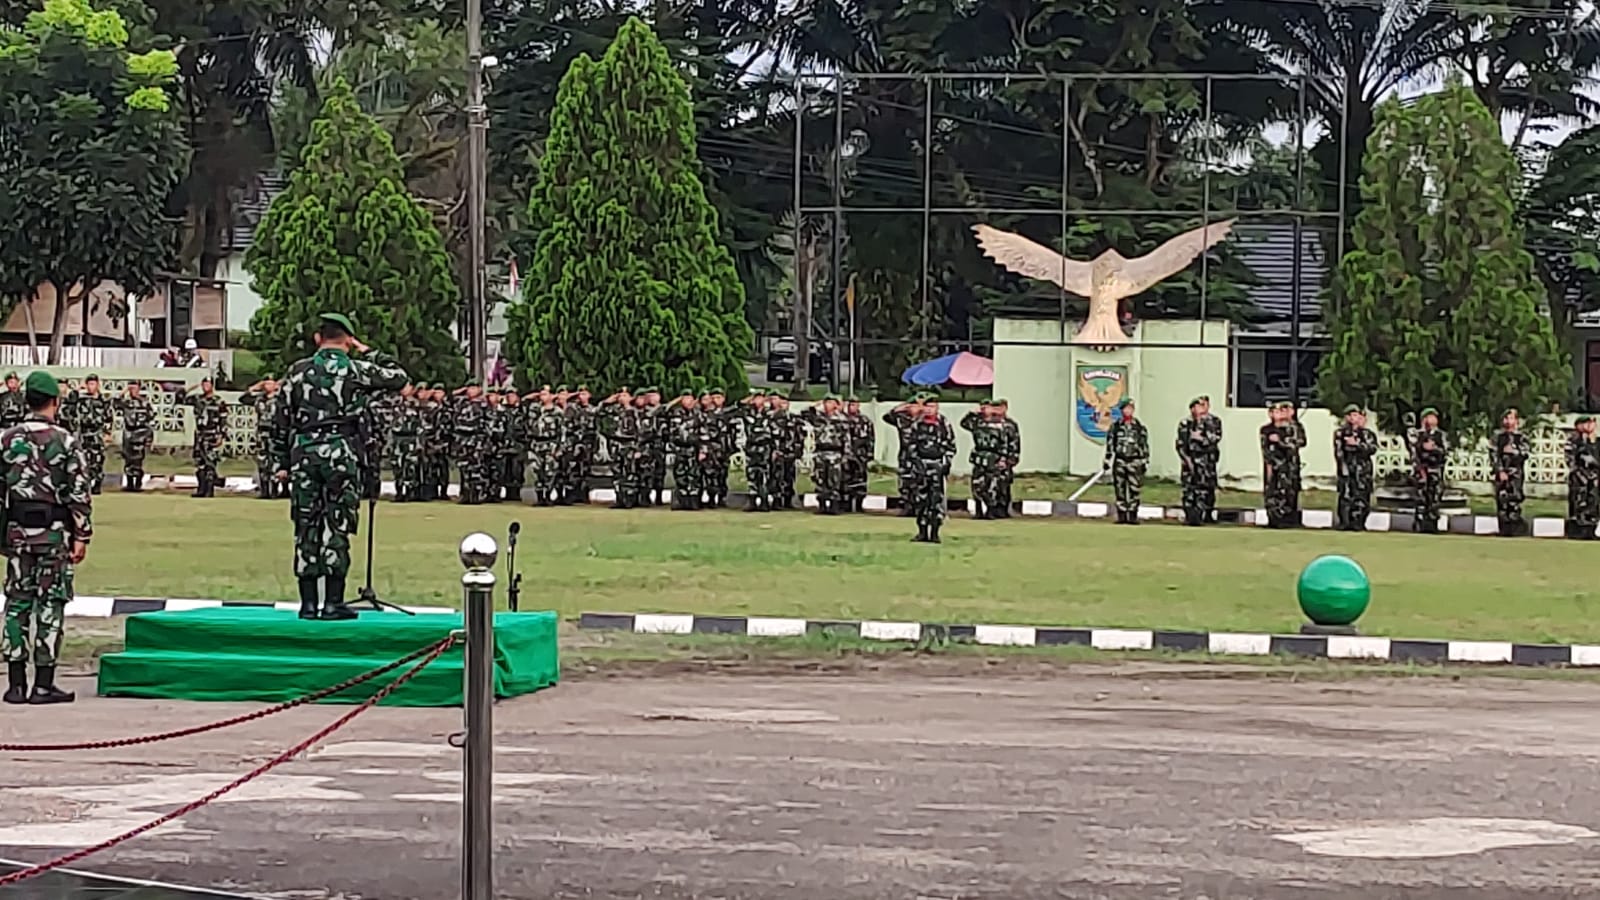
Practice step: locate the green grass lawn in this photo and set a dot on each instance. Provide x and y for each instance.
(1024, 571)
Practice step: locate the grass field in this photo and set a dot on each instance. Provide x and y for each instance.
(1058, 572)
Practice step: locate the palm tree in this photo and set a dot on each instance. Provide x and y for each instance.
(1535, 60)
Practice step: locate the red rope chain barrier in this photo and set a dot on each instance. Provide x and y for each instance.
(431, 653)
(226, 723)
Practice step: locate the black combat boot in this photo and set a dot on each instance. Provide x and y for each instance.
(138, 483)
(333, 606)
(45, 691)
(199, 485)
(922, 534)
(933, 533)
(16, 683)
(308, 598)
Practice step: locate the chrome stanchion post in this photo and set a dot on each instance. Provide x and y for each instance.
(478, 554)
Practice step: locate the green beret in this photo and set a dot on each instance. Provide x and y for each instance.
(1583, 419)
(852, 399)
(1125, 404)
(1000, 402)
(42, 383)
(94, 377)
(831, 396)
(1429, 411)
(1351, 408)
(1199, 400)
(341, 320)
(686, 393)
(757, 392)
(10, 375)
(582, 388)
(717, 392)
(650, 390)
(562, 389)
(1510, 412)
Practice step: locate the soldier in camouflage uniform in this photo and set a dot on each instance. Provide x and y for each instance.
(377, 420)
(1509, 462)
(263, 397)
(1199, 447)
(656, 443)
(933, 444)
(88, 415)
(1583, 480)
(138, 433)
(685, 429)
(830, 437)
(514, 453)
(1281, 440)
(436, 445)
(13, 409)
(721, 442)
(469, 429)
(859, 452)
(582, 435)
(546, 421)
(210, 428)
(496, 427)
(900, 419)
(47, 527)
(754, 415)
(619, 418)
(1429, 452)
(1127, 457)
(791, 445)
(315, 450)
(988, 440)
(1010, 456)
(1354, 446)
(405, 446)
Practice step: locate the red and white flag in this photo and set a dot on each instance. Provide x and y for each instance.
(513, 276)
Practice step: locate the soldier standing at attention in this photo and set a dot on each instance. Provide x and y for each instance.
(583, 443)
(544, 441)
(13, 408)
(405, 446)
(791, 446)
(985, 458)
(655, 442)
(830, 433)
(495, 440)
(430, 441)
(210, 427)
(1199, 448)
(263, 397)
(933, 444)
(1429, 452)
(1281, 441)
(1127, 456)
(47, 531)
(619, 418)
(900, 419)
(859, 453)
(1510, 461)
(1583, 481)
(138, 433)
(88, 415)
(314, 447)
(1354, 445)
(470, 443)
(514, 455)
(684, 426)
(720, 447)
(1010, 454)
(758, 450)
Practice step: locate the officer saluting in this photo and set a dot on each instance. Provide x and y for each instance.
(47, 530)
(316, 448)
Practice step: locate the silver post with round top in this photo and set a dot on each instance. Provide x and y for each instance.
(478, 554)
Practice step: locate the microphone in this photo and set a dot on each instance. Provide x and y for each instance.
(516, 529)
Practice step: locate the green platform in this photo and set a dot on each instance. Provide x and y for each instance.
(272, 655)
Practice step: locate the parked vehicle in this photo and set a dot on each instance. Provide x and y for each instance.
(780, 361)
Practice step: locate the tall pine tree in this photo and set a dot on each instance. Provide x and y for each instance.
(1437, 303)
(347, 237)
(628, 283)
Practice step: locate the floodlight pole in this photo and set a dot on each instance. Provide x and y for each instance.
(477, 197)
(478, 553)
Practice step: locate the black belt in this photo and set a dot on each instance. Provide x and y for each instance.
(36, 514)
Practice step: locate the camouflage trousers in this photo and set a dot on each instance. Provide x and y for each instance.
(407, 461)
(785, 470)
(435, 471)
(827, 472)
(1355, 498)
(473, 465)
(1430, 495)
(372, 469)
(207, 452)
(38, 587)
(927, 487)
(324, 502)
(1199, 491)
(758, 470)
(1509, 495)
(94, 460)
(513, 471)
(906, 482)
(135, 447)
(577, 464)
(855, 476)
(686, 465)
(547, 467)
(1583, 504)
(1281, 497)
(626, 457)
(1127, 482)
(988, 485)
(714, 474)
(658, 467)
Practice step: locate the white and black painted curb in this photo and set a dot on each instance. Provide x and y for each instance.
(1544, 527)
(1378, 649)
(106, 607)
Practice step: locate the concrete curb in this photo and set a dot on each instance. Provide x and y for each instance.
(879, 503)
(1379, 649)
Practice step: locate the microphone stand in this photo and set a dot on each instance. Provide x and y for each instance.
(513, 577)
(367, 594)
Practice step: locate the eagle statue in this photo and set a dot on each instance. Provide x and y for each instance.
(1105, 281)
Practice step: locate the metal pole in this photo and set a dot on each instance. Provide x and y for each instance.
(477, 199)
(837, 262)
(927, 196)
(478, 553)
(1299, 248)
(1066, 191)
(1205, 215)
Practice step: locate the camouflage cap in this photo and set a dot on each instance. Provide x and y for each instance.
(1125, 403)
(1429, 411)
(341, 320)
(42, 383)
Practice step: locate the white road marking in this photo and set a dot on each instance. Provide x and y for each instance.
(1436, 837)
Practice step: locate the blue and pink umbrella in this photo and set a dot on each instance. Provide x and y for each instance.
(960, 369)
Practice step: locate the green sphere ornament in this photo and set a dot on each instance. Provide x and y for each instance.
(1333, 590)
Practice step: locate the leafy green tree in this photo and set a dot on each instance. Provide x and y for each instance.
(1437, 301)
(628, 281)
(90, 151)
(347, 237)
